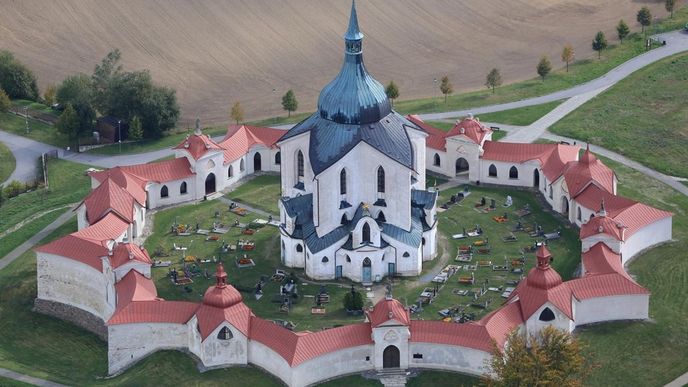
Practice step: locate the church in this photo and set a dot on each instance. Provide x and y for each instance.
(353, 182)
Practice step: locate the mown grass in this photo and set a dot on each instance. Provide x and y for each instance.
(35, 106)
(522, 116)
(37, 130)
(67, 184)
(12, 240)
(261, 192)
(644, 117)
(7, 162)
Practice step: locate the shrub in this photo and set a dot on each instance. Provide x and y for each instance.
(353, 300)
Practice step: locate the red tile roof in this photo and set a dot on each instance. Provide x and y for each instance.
(552, 157)
(134, 287)
(603, 225)
(126, 252)
(158, 311)
(600, 259)
(502, 321)
(592, 196)
(297, 348)
(79, 249)
(588, 170)
(386, 310)
(131, 183)
(210, 317)
(161, 171)
(109, 196)
(198, 145)
(240, 139)
(106, 229)
(437, 138)
(604, 285)
(466, 335)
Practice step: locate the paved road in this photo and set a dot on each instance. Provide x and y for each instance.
(681, 381)
(28, 379)
(26, 152)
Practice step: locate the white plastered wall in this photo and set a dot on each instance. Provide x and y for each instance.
(128, 343)
(448, 357)
(622, 307)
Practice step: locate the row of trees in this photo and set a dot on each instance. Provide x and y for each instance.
(131, 96)
(289, 103)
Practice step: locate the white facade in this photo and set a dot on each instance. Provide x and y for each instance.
(448, 357)
(129, 343)
(624, 307)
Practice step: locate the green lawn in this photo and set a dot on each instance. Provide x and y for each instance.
(644, 117)
(7, 162)
(37, 130)
(68, 184)
(262, 192)
(7, 382)
(12, 240)
(35, 106)
(521, 117)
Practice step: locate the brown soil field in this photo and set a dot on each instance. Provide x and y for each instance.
(216, 52)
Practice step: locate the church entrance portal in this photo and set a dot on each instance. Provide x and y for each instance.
(461, 165)
(390, 357)
(367, 276)
(210, 184)
(256, 162)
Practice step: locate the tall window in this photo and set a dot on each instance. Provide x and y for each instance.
(579, 215)
(513, 173)
(342, 182)
(241, 165)
(551, 192)
(381, 217)
(437, 160)
(345, 219)
(230, 172)
(380, 179)
(492, 171)
(164, 192)
(278, 158)
(366, 233)
(182, 188)
(224, 334)
(299, 165)
(299, 248)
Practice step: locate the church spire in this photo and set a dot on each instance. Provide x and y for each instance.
(353, 34)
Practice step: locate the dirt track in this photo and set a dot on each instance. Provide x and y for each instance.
(217, 52)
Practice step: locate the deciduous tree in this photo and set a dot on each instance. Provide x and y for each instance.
(49, 95)
(5, 103)
(544, 67)
(289, 102)
(76, 90)
(135, 129)
(103, 73)
(669, 5)
(567, 55)
(644, 18)
(552, 358)
(599, 43)
(622, 30)
(392, 91)
(446, 87)
(494, 79)
(16, 79)
(68, 123)
(237, 113)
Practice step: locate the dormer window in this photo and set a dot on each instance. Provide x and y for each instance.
(225, 334)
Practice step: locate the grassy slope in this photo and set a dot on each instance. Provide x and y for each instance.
(68, 184)
(37, 130)
(522, 116)
(16, 238)
(261, 192)
(644, 117)
(655, 352)
(7, 162)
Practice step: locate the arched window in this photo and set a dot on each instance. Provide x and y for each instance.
(579, 215)
(278, 158)
(241, 165)
(325, 260)
(164, 192)
(342, 182)
(406, 254)
(546, 315)
(437, 160)
(380, 179)
(513, 173)
(299, 248)
(230, 172)
(492, 171)
(381, 217)
(551, 192)
(299, 165)
(224, 334)
(182, 188)
(348, 258)
(366, 233)
(345, 219)
(423, 241)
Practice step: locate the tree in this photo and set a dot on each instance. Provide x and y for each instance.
(494, 79)
(446, 87)
(289, 102)
(392, 91)
(353, 300)
(622, 29)
(16, 79)
(552, 358)
(103, 73)
(669, 6)
(5, 103)
(135, 129)
(644, 18)
(50, 95)
(544, 67)
(76, 90)
(68, 123)
(599, 43)
(567, 55)
(237, 113)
